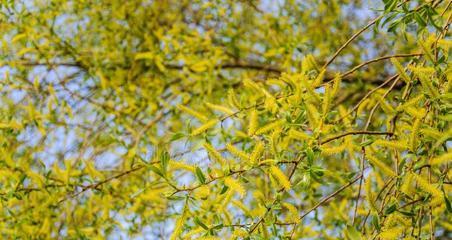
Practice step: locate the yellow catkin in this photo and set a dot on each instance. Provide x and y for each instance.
(269, 127)
(396, 219)
(258, 211)
(181, 165)
(336, 84)
(390, 221)
(313, 114)
(309, 88)
(257, 152)
(280, 177)
(400, 70)
(427, 50)
(242, 207)
(235, 186)
(204, 127)
(344, 117)
(398, 145)
(407, 184)
(414, 134)
(220, 108)
(369, 194)
(293, 212)
(274, 141)
(425, 82)
(178, 228)
(202, 192)
(236, 152)
(251, 85)
(270, 103)
(328, 151)
(92, 171)
(253, 122)
(446, 225)
(308, 63)
(326, 100)
(209, 238)
(12, 125)
(227, 216)
(410, 102)
(294, 134)
(239, 233)
(403, 220)
(426, 186)
(227, 199)
(415, 112)
(430, 132)
(37, 178)
(232, 100)
(319, 79)
(387, 108)
(213, 153)
(442, 159)
(424, 74)
(380, 165)
(193, 232)
(391, 233)
(201, 117)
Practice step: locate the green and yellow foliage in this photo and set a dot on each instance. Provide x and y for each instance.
(253, 119)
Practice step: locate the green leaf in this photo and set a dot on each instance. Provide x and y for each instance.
(156, 170)
(201, 224)
(366, 143)
(218, 227)
(175, 198)
(390, 209)
(408, 214)
(376, 222)
(144, 55)
(164, 159)
(390, 5)
(448, 205)
(352, 234)
(310, 156)
(224, 189)
(200, 175)
(420, 20)
(177, 136)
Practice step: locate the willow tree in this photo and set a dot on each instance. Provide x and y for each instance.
(225, 119)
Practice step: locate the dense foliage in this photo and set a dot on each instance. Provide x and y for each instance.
(225, 119)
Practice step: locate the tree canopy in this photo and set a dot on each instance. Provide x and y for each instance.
(195, 119)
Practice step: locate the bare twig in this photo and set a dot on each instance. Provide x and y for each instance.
(350, 40)
(355, 133)
(321, 202)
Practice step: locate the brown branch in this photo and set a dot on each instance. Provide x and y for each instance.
(276, 200)
(213, 179)
(378, 196)
(321, 202)
(367, 95)
(96, 185)
(330, 196)
(350, 40)
(236, 65)
(377, 60)
(355, 133)
(26, 62)
(359, 33)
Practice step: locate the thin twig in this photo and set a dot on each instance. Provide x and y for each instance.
(350, 40)
(355, 133)
(321, 202)
(377, 60)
